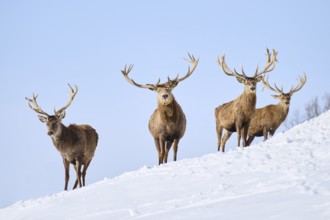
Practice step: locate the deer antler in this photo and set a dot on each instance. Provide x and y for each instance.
(72, 95)
(128, 69)
(170, 82)
(270, 65)
(174, 82)
(266, 85)
(34, 105)
(191, 69)
(227, 71)
(302, 81)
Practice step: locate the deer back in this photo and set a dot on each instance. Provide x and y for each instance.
(269, 118)
(76, 141)
(272, 116)
(86, 135)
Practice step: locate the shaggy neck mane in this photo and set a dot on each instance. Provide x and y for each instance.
(249, 99)
(169, 113)
(284, 109)
(58, 138)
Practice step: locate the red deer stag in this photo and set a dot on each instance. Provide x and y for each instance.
(76, 143)
(234, 116)
(167, 124)
(268, 119)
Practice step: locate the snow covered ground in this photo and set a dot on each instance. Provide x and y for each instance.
(287, 177)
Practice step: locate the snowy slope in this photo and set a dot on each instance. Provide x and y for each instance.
(287, 177)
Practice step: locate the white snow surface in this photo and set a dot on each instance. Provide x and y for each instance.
(286, 177)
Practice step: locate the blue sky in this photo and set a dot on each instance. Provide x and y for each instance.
(46, 44)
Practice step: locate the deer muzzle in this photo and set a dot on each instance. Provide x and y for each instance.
(165, 96)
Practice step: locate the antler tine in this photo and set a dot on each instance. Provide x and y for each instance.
(266, 85)
(172, 80)
(243, 72)
(191, 68)
(125, 73)
(226, 70)
(73, 93)
(36, 107)
(281, 90)
(268, 55)
(157, 83)
(191, 58)
(270, 65)
(256, 72)
(126, 70)
(301, 83)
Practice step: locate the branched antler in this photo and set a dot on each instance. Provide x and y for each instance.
(34, 105)
(270, 65)
(191, 68)
(266, 85)
(73, 93)
(301, 82)
(170, 82)
(128, 69)
(227, 71)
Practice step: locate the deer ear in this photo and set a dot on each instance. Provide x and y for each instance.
(240, 80)
(42, 118)
(173, 85)
(276, 96)
(259, 78)
(60, 115)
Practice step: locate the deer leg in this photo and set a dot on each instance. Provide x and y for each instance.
(78, 171)
(265, 133)
(244, 134)
(162, 150)
(250, 139)
(76, 182)
(271, 133)
(160, 145)
(219, 135)
(239, 133)
(67, 173)
(167, 149)
(175, 148)
(224, 140)
(157, 144)
(84, 172)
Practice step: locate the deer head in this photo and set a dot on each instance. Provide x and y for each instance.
(53, 122)
(283, 97)
(250, 82)
(164, 90)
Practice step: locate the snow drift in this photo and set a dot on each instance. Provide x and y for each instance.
(287, 177)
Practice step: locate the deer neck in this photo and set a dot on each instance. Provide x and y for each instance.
(283, 109)
(248, 101)
(168, 112)
(59, 136)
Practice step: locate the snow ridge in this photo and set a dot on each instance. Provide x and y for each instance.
(286, 177)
